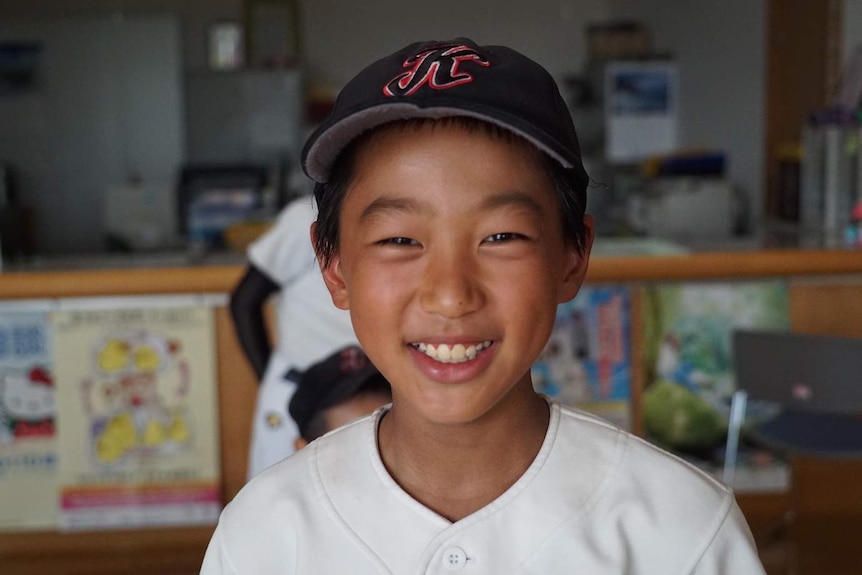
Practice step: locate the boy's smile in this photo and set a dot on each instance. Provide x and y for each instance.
(452, 261)
(457, 353)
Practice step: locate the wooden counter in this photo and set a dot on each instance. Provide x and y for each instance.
(133, 281)
(729, 265)
(701, 266)
(825, 293)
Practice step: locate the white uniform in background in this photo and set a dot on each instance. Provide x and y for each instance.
(309, 327)
(596, 500)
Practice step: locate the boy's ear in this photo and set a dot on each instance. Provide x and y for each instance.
(577, 263)
(332, 275)
(299, 443)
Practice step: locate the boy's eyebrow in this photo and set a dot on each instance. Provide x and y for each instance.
(385, 204)
(412, 205)
(512, 198)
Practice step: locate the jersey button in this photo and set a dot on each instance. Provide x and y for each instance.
(454, 559)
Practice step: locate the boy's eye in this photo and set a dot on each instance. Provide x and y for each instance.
(399, 241)
(504, 237)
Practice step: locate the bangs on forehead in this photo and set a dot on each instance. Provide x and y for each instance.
(570, 191)
(467, 123)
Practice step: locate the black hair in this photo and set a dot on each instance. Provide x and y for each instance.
(319, 425)
(571, 189)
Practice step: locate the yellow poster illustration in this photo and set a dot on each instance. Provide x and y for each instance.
(138, 437)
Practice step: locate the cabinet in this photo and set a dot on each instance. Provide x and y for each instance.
(174, 551)
(825, 297)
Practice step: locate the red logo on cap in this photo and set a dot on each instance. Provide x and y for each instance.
(351, 360)
(438, 68)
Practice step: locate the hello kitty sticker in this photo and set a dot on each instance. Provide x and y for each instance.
(28, 421)
(26, 404)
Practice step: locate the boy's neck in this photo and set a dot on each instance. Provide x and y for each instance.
(455, 470)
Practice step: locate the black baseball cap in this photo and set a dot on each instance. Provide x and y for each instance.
(451, 78)
(331, 381)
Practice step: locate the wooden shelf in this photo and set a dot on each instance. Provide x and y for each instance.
(818, 303)
(730, 265)
(174, 551)
(116, 282)
(222, 279)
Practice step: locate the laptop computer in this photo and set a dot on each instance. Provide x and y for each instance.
(817, 381)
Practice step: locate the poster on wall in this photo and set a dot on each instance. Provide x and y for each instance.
(28, 450)
(688, 360)
(139, 437)
(641, 109)
(586, 362)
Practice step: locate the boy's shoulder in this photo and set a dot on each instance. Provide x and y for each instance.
(292, 488)
(301, 208)
(352, 440)
(296, 480)
(295, 217)
(592, 485)
(630, 465)
(647, 508)
(284, 250)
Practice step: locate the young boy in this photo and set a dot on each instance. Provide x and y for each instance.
(451, 223)
(333, 392)
(308, 326)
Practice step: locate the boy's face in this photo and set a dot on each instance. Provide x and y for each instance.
(452, 238)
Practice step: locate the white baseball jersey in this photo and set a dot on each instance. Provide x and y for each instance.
(309, 325)
(308, 328)
(595, 500)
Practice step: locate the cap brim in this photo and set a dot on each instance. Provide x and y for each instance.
(329, 141)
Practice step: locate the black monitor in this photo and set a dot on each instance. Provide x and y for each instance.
(211, 198)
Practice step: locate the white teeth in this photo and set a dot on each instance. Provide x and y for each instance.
(444, 354)
(457, 353)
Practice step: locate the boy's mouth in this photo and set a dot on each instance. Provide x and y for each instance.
(457, 353)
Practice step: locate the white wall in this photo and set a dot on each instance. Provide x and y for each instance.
(195, 15)
(106, 106)
(69, 174)
(341, 36)
(720, 47)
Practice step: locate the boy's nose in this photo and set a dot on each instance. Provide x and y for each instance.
(450, 287)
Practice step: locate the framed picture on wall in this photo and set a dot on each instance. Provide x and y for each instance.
(641, 109)
(225, 46)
